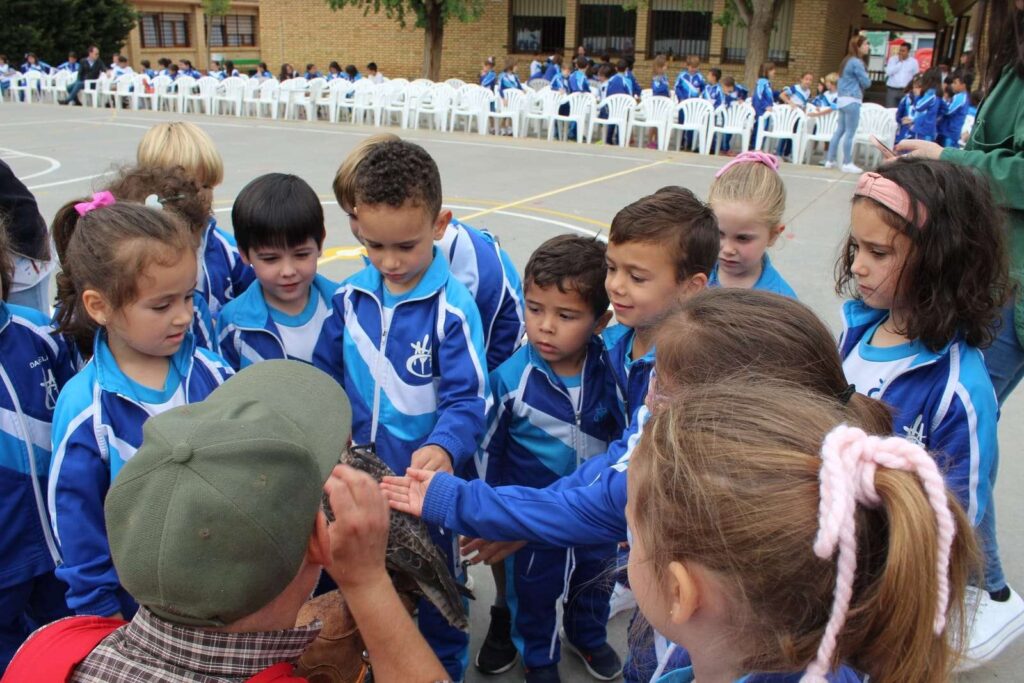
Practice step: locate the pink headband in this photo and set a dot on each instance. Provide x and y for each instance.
(891, 196)
(755, 157)
(849, 461)
(99, 199)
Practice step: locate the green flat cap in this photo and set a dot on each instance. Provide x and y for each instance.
(210, 519)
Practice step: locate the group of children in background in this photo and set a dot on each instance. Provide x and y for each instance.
(938, 111)
(744, 432)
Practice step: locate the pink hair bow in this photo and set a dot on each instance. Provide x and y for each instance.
(849, 460)
(891, 196)
(99, 199)
(751, 157)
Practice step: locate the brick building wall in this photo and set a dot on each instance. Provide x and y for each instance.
(302, 31)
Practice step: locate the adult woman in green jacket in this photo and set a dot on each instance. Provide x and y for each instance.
(996, 149)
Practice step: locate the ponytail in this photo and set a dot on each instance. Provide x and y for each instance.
(72, 320)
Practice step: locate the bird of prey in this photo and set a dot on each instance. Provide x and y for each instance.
(416, 565)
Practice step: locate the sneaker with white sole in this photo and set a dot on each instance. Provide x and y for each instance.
(828, 164)
(851, 168)
(622, 599)
(996, 624)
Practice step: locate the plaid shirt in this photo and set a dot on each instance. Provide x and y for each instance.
(151, 650)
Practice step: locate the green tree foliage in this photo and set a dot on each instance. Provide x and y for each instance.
(211, 10)
(52, 28)
(430, 15)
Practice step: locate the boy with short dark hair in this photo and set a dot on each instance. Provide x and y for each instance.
(555, 405)
(279, 226)
(405, 341)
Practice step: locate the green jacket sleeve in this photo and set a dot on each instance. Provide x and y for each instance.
(1004, 168)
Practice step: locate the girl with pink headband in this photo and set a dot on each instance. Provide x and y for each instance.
(749, 198)
(925, 265)
(778, 544)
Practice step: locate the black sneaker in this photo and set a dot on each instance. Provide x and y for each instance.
(543, 674)
(602, 663)
(498, 654)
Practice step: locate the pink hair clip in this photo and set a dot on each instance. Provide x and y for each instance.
(99, 199)
(849, 459)
(752, 157)
(891, 196)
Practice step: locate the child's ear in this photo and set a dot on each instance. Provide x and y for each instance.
(318, 548)
(602, 322)
(244, 253)
(693, 285)
(683, 593)
(774, 233)
(441, 223)
(97, 307)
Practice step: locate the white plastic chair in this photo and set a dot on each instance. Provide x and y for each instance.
(251, 95)
(697, 115)
(269, 98)
(657, 114)
(818, 129)
(538, 83)
(542, 110)
(783, 122)
(581, 106)
(294, 96)
(229, 96)
(56, 86)
(455, 83)
(143, 91)
(435, 104)
(331, 97)
(735, 120)
(471, 103)
(875, 121)
(100, 92)
(200, 99)
(511, 110)
(19, 88)
(620, 113)
(364, 101)
(122, 91)
(34, 83)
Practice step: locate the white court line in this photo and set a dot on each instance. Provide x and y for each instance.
(70, 180)
(15, 154)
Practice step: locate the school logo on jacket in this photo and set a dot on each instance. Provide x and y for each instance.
(49, 382)
(419, 360)
(915, 433)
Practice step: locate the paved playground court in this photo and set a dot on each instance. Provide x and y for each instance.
(522, 190)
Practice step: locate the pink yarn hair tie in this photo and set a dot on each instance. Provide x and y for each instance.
(849, 460)
(891, 196)
(751, 157)
(99, 199)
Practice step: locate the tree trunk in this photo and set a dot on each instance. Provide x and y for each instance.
(433, 40)
(759, 30)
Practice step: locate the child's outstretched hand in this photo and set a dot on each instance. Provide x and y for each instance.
(431, 457)
(477, 550)
(406, 494)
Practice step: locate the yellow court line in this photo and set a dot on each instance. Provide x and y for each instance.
(530, 209)
(560, 190)
(340, 254)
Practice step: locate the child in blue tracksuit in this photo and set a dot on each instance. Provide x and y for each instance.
(508, 79)
(222, 273)
(71, 66)
(405, 340)
(923, 116)
(279, 224)
(689, 84)
(555, 405)
(903, 110)
(488, 79)
(952, 114)
(144, 361)
(911, 334)
(764, 97)
(618, 84)
(749, 224)
(34, 366)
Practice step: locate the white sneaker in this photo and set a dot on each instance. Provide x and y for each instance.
(851, 168)
(828, 164)
(622, 599)
(995, 625)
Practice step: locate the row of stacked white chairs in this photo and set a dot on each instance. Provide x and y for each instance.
(454, 105)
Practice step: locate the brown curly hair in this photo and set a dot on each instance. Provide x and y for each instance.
(956, 276)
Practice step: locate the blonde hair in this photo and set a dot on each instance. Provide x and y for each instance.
(726, 476)
(752, 182)
(831, 78)
(183, 144)
(345, 179)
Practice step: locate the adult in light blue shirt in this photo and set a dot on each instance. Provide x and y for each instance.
(853, 79)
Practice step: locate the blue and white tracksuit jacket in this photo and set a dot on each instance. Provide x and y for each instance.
(508, 81)
(689, 85)
(415, 374)
(798, 97)
(713, 93)
(771, 280)
(634, 84)
(578, 82)
(951, 119)
(414, 377)
(71, 67)
(34, 366)
(477, 261)
(97, 427)
(489, 80)
(764, 97)
(551, 71)
(925, 114)
(249, 335)
(904, 109)
(222, 275)
(536, 435)
(827, 100)
(659, 86)
(945, 402)
(619, 85)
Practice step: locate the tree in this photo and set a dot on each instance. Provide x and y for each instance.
(211, 10)
(431, 16)
(53, 28)
(759, 18)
